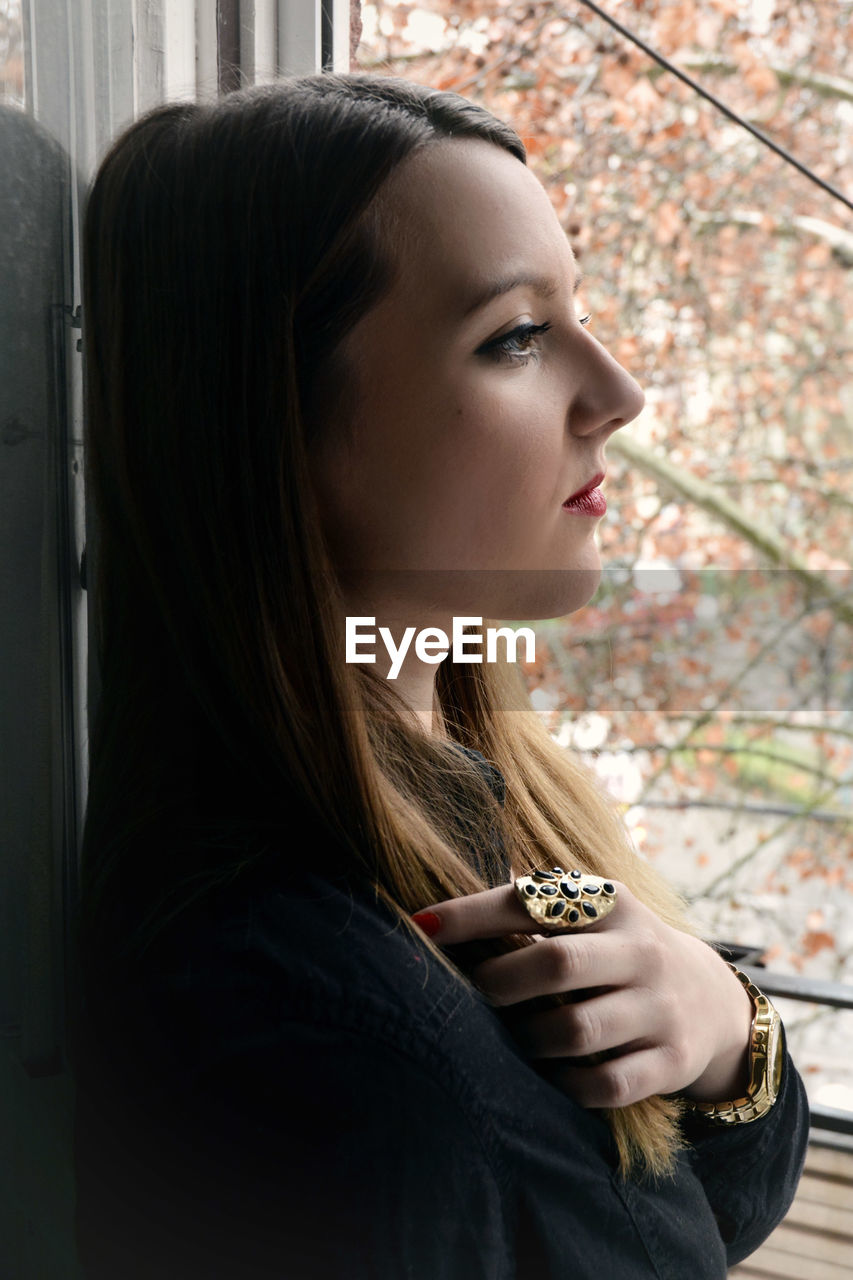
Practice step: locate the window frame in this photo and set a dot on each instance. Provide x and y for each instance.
(90, 68)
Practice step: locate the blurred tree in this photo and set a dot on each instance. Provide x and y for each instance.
(11, 53)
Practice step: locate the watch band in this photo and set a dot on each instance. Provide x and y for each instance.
(765, 1065)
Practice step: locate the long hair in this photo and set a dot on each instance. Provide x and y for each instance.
(228, 250)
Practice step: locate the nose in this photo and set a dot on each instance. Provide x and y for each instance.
(606, 397)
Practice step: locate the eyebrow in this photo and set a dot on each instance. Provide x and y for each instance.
(544, 285)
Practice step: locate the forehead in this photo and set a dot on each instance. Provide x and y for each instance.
(468, 214)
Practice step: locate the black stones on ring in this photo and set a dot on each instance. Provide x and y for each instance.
(563, 899)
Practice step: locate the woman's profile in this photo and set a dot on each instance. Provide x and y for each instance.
(335, 377)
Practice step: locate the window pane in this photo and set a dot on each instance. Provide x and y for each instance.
(708, 682)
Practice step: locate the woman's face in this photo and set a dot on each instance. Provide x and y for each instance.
(483, 404)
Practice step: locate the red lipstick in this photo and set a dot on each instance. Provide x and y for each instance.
(588, 501)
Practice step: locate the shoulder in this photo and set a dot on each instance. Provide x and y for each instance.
(277, 958)
(313, 939)
(306, 1085)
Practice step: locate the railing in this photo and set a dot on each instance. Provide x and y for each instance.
(830, 1127)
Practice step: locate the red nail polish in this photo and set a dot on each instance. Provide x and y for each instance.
(428, 921)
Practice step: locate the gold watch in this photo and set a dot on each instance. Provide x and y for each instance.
(765, 1065)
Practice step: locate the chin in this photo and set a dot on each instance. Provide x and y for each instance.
(564, 591)
(519, 595)
(434, 596)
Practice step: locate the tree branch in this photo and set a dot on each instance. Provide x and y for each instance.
(764, 810)
(706, 716)
(716, 504)
(808, 811)
(759, 753)
(839, 240)
(826, 85)
(817, 727)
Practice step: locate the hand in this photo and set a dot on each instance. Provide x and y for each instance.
(675, 1017)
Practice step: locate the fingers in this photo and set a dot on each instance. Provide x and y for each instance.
(557, 964)
(609, 1021)
(639, 968)
(619, 1081)
(491, 914)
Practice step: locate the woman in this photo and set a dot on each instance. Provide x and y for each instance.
(335, 378)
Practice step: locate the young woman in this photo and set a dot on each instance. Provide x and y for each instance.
(340, 1015)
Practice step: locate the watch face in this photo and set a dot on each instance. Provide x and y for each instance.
(774, 1058)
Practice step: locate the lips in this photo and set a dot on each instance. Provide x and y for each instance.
(588, 501)
(587, 488)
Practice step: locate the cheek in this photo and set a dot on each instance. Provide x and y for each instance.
(451, 473)
(516, 442)
(392, 494)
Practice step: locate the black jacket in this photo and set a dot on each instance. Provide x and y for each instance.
(305, 1094)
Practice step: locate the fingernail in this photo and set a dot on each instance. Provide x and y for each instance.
(428, 921)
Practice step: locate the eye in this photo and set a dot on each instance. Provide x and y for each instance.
(519, 346)
(584, 319)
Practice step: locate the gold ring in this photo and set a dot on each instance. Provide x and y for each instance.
(561, 899)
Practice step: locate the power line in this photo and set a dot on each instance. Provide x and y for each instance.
(721, 106)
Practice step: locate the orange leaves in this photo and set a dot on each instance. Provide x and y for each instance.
(666, 222)
(400, 16)
(755, 72)
(815, 941)
(673, 131)
(616, 81)
(644, 98)
(726, 8)
(753, 67)
(625, 349)
(820, 625)
(535, 144)
(698, 186)
(676, 25)
(761, 79)
(708, 27)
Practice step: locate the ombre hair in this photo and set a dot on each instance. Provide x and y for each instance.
(229, 249)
